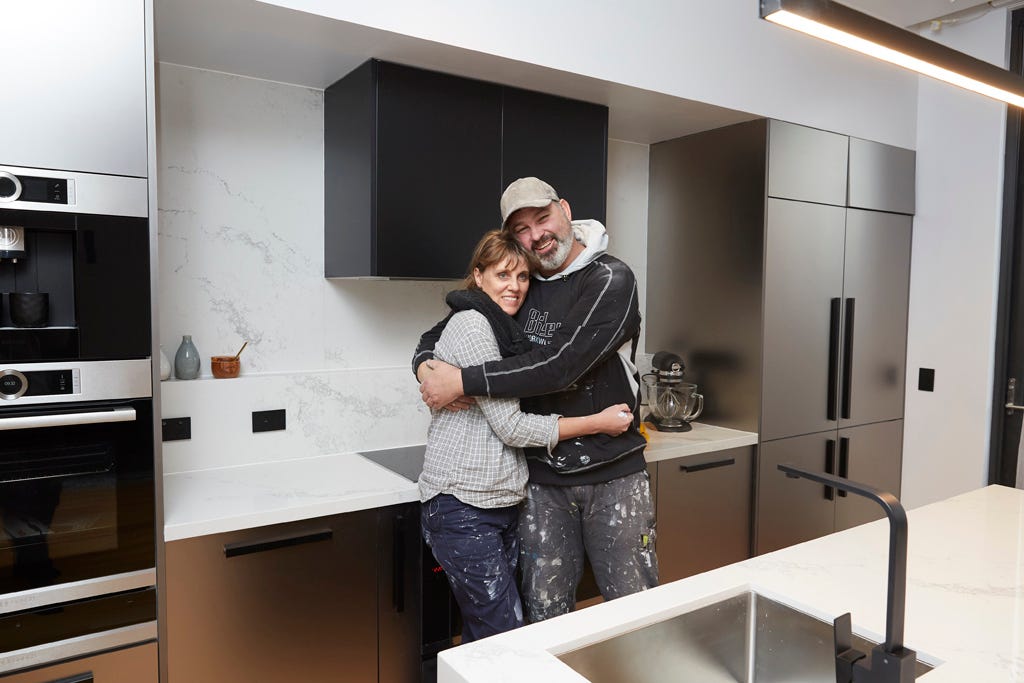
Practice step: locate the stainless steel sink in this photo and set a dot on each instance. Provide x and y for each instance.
(746, 638)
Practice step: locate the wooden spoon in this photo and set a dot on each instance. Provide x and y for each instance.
(240, 350)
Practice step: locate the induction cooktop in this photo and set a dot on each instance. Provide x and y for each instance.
(406, 461)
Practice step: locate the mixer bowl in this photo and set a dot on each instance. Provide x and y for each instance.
(673, 404)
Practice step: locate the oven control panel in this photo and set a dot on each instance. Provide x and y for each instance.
(15, 384)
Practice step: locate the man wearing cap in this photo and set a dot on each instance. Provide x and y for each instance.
(591, 494)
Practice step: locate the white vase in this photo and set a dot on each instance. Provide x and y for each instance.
(165, 365)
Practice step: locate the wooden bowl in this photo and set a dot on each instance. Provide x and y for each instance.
(225, 367)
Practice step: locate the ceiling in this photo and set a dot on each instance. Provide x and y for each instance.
(251, 38)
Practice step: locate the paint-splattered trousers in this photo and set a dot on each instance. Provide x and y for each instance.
(613, 523)
(478, 549)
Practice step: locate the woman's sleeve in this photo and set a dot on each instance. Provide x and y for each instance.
(469, 341)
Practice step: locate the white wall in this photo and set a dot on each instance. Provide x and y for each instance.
(954, 272)
(241, 258)
(718, 52)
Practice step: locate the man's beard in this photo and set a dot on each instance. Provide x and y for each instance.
(556, 258)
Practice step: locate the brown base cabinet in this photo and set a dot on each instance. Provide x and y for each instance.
(703, 505)
(137, 664)
(275, 604)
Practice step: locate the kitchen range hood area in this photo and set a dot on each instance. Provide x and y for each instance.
(312, 178)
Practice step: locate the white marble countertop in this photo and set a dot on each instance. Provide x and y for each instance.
(213, 501)
(965, 597)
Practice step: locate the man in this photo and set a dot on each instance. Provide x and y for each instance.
(591, 494)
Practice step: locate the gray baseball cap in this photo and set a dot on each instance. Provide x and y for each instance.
(532, 192)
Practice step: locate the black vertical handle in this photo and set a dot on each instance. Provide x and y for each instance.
(833, 358)
(844, 461)
(848, 358)
(830, 466)
(398, 531)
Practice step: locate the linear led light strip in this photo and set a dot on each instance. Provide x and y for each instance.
(872, 49)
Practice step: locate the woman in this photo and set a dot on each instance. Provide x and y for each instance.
(474, 474)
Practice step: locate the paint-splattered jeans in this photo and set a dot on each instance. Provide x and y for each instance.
(478, 549)
(612, 522)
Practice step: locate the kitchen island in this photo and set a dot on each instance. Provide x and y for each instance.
(965, 597)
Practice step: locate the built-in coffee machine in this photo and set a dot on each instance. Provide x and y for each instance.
(74, 266)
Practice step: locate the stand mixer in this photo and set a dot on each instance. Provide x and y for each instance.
(673, 403)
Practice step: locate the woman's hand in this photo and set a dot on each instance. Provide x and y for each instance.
(614, 420)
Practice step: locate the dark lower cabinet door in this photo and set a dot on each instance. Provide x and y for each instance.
(869, 454)
(703, 506)
(792, 511)
(561, 141)
(136, 664)
(276, 604)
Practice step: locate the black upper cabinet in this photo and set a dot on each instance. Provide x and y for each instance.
(415, 163)
(561, 141)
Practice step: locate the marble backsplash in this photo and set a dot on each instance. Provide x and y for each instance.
(325, 412)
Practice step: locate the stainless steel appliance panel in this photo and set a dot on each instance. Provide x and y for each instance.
(870, 454)
(802, 282)
(90, 193)
(704, 264)
(806, 164)
(877, 285)
(787, 512)
(881, 177)
(704, 512)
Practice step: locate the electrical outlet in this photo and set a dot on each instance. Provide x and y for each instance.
(926, 379)
(177, 428)
(268, 420)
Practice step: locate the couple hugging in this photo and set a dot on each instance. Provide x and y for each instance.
(534, 336)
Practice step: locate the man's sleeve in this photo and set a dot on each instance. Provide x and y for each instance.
(604, 318)
(425, 349)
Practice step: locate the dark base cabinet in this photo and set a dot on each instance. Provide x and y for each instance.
(793, 511)
(704, 512)
(136, 664)
(276, 604)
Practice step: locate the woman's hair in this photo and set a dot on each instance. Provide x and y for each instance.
(497, 247)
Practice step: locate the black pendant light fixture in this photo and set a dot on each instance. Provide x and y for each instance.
(849, 28)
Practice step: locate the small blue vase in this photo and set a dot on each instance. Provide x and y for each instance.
(186, 360)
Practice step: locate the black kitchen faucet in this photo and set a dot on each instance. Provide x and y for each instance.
(890, 662)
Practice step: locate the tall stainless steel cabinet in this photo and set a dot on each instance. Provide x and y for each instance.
(77, 98)
(277, 604)
(792, 246)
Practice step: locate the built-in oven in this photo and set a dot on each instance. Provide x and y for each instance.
(77, 480)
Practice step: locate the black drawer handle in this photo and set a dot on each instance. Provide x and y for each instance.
(707, 465)
(246, 548)
(398, 541)
(87, 677)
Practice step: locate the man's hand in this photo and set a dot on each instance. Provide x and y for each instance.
(441, 385)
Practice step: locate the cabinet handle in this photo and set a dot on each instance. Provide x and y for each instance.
(844, 461)
(398, 531)
(707, 465)
(830, 466)
(87, 677)
(848, 358)
(833, 358)
(248, 547)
